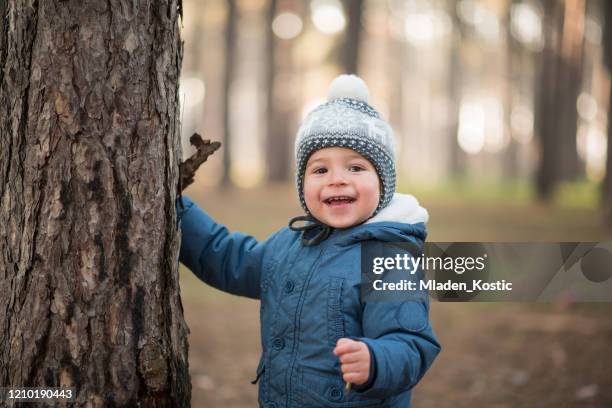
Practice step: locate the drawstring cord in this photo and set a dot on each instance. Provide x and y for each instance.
(310, 223)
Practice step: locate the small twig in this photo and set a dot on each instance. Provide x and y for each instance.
(204, 148)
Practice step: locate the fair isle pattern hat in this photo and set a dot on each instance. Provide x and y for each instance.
(346, 120)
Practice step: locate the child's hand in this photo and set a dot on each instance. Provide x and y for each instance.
(354, 360)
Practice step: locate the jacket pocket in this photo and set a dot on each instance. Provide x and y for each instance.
(321, 389)
(413, 316)
(335, 320)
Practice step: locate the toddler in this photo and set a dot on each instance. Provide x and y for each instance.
(317, 332)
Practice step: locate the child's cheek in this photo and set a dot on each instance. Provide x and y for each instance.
(310, 194)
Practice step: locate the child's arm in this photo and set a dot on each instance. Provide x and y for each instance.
(228, 261)
(401, 354)
(402, 343)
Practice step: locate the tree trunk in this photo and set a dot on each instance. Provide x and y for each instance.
(569, 87)
(547, 94)
(230, 50)
(512, 54)
(89, 156)
(607, 182)
(560, 84)
(280, 101)
(350, 50)
(457, 155)
(607, 57)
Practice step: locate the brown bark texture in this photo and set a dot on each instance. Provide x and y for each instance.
(89, 161)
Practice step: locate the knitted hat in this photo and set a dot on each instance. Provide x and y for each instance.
(347, 120)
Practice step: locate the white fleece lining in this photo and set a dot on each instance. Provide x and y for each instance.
(403, 208)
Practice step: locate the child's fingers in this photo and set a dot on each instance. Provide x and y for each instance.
(353, 357)
(358, 367)
(354, 378)
(346, 346)
(344, 340)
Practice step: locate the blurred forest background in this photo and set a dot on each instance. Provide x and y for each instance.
(500, 110)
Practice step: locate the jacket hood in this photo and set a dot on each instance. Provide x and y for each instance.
(403, 219)
(403, 208)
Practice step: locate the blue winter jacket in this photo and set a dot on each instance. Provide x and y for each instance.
(310, 297)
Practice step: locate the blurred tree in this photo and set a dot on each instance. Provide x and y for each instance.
(570, 85)
(89, 159)
(230, 62)
(557, 91)
(280, 103)
(396, 61)
(352, 38)
(607, 56)
(455, 72)
(545, 100)
(512, 76)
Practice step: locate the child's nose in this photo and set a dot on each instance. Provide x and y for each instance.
(337, 177)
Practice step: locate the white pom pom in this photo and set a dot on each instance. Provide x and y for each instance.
(348, 86)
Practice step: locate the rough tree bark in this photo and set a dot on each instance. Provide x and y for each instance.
(89, 159)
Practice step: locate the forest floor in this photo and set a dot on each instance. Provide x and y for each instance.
(494, 354)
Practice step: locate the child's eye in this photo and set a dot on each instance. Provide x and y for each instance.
(320, 170)
(356, 168)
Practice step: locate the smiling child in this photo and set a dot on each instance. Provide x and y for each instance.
(317, 332)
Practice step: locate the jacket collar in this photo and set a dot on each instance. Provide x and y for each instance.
(403, 208)
(403, 219)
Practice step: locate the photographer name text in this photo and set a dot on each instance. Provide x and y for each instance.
(477, 285)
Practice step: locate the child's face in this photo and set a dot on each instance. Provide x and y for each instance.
(341, 187)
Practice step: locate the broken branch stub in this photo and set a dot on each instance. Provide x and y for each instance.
(188, 168)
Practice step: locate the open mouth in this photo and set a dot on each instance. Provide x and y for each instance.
(339, 200)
